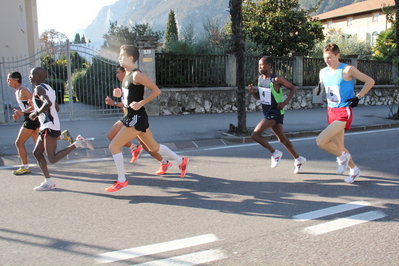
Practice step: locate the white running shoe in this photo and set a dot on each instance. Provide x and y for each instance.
(299, 164)
(276, 158)
(353, 174)
(81, 142)
(46, 185)
(343, 163)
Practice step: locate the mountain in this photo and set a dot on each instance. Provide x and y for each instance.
(155, 12)
(327, 5)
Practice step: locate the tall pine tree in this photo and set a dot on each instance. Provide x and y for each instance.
(77, 39)
(171, 34)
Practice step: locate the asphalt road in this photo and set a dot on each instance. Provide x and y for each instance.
(230, 209)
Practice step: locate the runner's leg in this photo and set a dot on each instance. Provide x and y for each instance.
(282, 138)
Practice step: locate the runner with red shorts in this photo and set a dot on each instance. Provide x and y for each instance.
(338, 80)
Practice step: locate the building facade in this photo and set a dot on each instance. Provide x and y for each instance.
(19, 39)
(364, 19)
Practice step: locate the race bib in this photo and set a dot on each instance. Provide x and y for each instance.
(265, 95)
(125, 92)
(333, 94)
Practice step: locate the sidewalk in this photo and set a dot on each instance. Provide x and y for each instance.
(196, 131)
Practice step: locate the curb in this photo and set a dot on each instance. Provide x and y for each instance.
(302, 134)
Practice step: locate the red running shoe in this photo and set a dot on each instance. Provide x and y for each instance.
(183, 167)
(117, 186)
(163, 168)
(136, 153)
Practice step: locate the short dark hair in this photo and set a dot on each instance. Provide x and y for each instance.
(121, 68)
(131, 50)
(41, 72)
(331, 47)
(267, 59)
(15, 75)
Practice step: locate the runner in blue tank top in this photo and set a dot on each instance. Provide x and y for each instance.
(270, 93)
(338, 80)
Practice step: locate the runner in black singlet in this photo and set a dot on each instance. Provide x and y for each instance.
(134, 149)
(136, 119)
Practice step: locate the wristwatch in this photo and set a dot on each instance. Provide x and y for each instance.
(115, 103)
(358, 96)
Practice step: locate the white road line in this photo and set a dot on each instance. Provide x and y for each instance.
(332, 210)
(345, 222)
(222, 147)
(155, 248)
(188, 259)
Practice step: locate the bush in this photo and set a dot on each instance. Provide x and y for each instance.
(91, 86)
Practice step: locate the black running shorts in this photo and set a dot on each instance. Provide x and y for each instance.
(49, 132)
(30, 124)
(138, 120)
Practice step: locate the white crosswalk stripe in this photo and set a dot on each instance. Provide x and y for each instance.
(341, 223)
(164, 247)
(188, 259)
(345, 222)
(332, 210)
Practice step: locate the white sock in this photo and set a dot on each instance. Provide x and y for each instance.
(164, 161)
(118, 160)
(132, 146)
(26, 166)
(168, 152)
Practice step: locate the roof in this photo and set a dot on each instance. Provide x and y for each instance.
(355, 9)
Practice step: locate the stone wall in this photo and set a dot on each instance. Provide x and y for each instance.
(178, 101)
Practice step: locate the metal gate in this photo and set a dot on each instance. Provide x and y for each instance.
(81, 75)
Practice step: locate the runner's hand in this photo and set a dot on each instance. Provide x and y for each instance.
(354, 101)
(251, 88)
(117, 92)
(109, 101)
(136, 105)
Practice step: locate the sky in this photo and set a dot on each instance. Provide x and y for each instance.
(68, 16)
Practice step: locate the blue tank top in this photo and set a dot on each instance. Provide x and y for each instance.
(338, 90)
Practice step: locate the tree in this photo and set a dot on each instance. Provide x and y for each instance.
(397, 39)
(348, 44)
(119, 35)
(218, 39)
(50, 38)
(77, 39)
(171, 34)
(283, 27)
(83, 40)
(239, 52)
(385, 48)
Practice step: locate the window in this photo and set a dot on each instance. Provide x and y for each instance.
(349, 22)
(22, 18)
(329, 25)
(375, 17)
